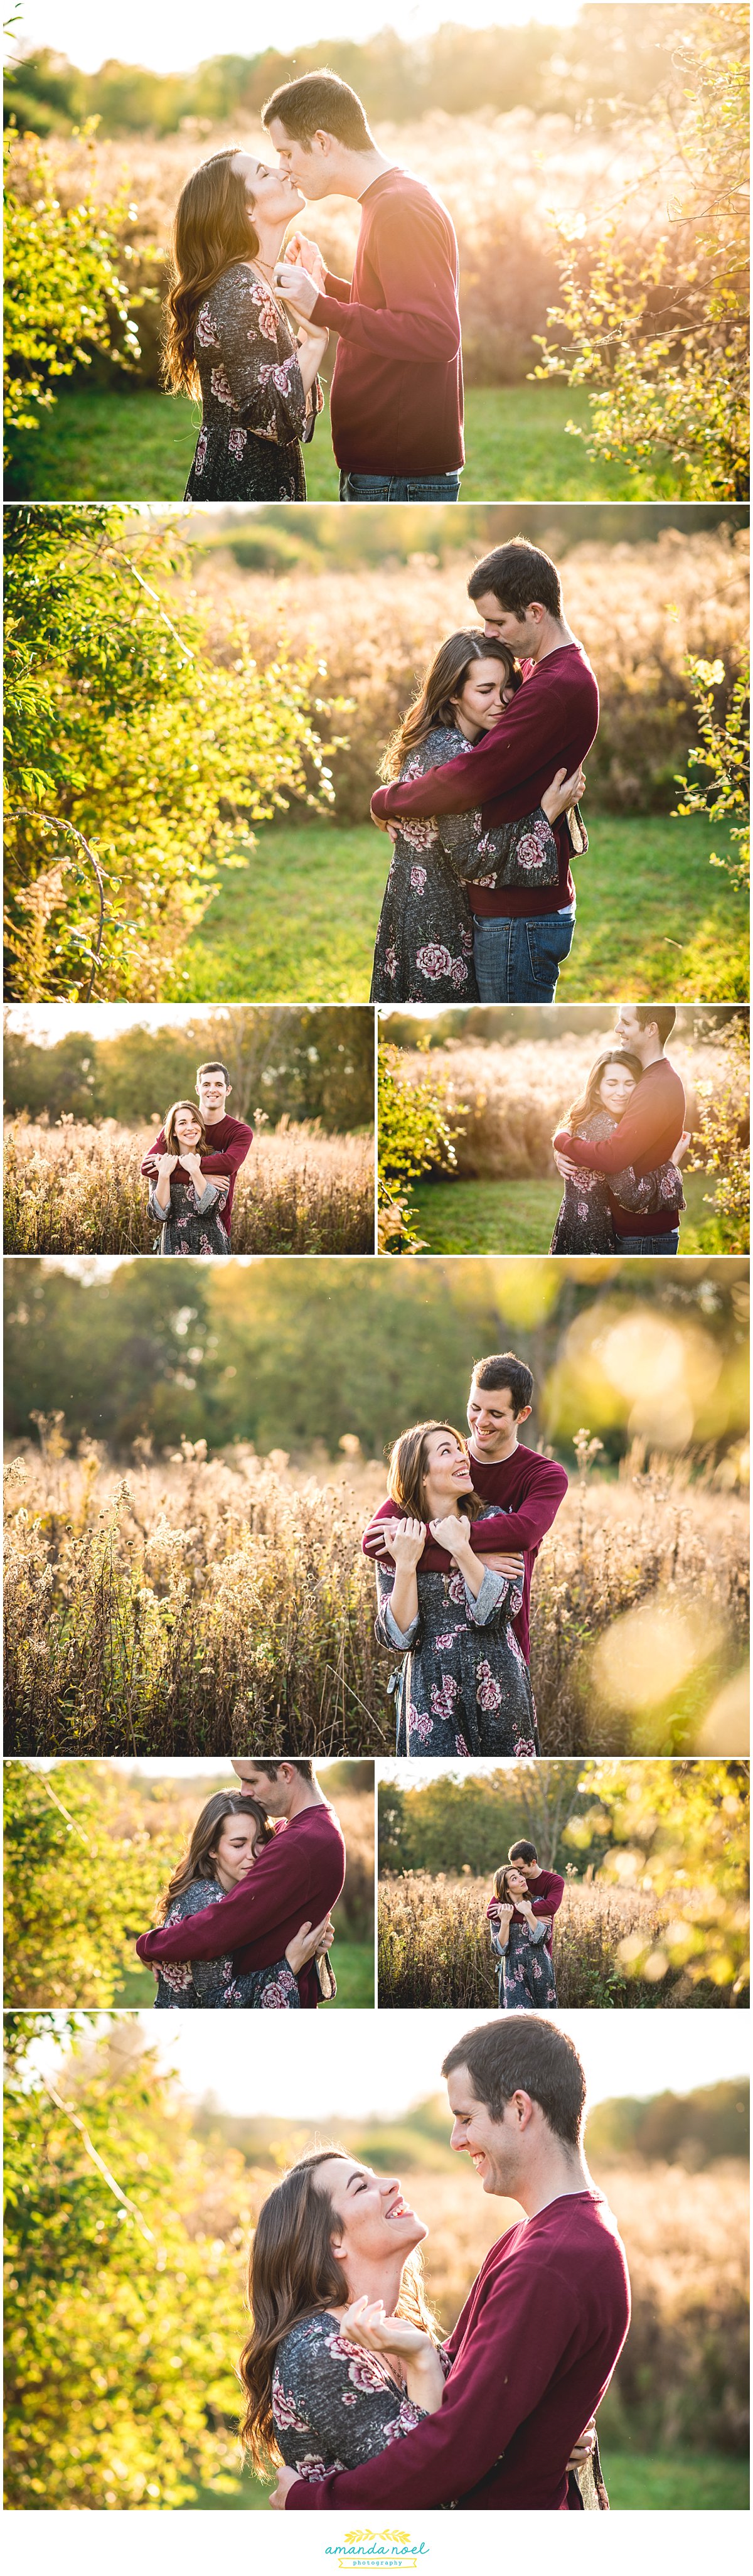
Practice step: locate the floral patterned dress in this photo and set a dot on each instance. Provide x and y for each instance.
(585, 1220)
(463, 1686)
(526, 1972)
(191, 1223)
(255, 412)
(209, 1985)
(334, 2405)
(424, 944)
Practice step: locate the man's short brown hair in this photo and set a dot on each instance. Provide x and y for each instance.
(529, 2056)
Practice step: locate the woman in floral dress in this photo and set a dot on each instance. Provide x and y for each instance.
(343, 2356)
(519, 1937)
(585, 1221)
(229, 337)
(186, 1203)
(463, 1686)
(222, 1849)
(424, 944)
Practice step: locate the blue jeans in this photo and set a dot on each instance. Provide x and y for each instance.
(399, 487)
(650, 1242)
(519, 961)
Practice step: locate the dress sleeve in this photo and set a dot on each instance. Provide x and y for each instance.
(385, 1626)
(499, 843)
(341, 2397)
(257, 372)
(213, 1195)
(659, 1189)
(161, 1215)
(497, 1597)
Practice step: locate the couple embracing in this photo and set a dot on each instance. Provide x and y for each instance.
(248, 320)
(348, 2382)
(454, 1547)
(245, 1920)
(485, 773)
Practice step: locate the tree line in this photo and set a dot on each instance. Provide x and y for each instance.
(283, 1063)
(613, 58)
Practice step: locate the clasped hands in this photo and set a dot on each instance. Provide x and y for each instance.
(405, 1541)
(299, 279)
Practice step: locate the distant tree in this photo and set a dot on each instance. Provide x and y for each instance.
(76, 1892)
(679, 1830)
(724, 753)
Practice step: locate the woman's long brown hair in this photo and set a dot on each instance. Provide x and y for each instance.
(293, 2273)
(589, 1100)
(171, 1140)
(212, 228)
(443, 682)
(406, 1475)
(198, 1861)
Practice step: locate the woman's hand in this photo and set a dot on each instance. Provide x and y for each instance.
(165, 1164)
(302, 253)
(192, 1164)
(563, 792)
(454, 1535)
(686, 1139)
(583, 2450)
(309, 1944)
(296, 287)
(286, 2478)
(365, 2323)
(405, 1541)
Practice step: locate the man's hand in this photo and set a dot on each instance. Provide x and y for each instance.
(405, 1541)
(296, 288)
(567, 1171)
(302, 253)
(583, 2450)
(381, 825)
(286, 2478)
(512, 1567)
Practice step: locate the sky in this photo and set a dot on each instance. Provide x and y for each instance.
(175, 38)
(350, 2065)
(48, 1024)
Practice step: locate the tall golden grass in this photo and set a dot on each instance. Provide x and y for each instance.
(435, 1950)
(501, 177)
(222, 1605)
(513, 1097)
(639, 609)
(78, 1188)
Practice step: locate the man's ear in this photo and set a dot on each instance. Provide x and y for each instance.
(522, 1416)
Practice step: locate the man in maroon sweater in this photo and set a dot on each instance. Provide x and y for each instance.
(545, 1887)
(230, 1136)
(527, 1487)
(535, 2346)
(396, 403)
(299, 1876)
(650, 1131)
(520, 938)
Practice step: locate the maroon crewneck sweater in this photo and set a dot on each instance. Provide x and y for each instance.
(550, 724)
(294, 1880)
(546, 1893)
(396, 401)
(645, 1137)
(532, 2354)
(230, 1144)
(528, 1489)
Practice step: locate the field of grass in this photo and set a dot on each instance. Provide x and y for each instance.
(105, 443)
(74, 1188)
(519, 1216)
(652, 917)
(215, 1605)
(435, 1950)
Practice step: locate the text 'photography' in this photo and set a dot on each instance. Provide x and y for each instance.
(376, 1276)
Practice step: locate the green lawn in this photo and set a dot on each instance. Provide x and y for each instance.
(354, 1969)
(683, 2482)
(104, 443)
(654, 920)
(519, 1216)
